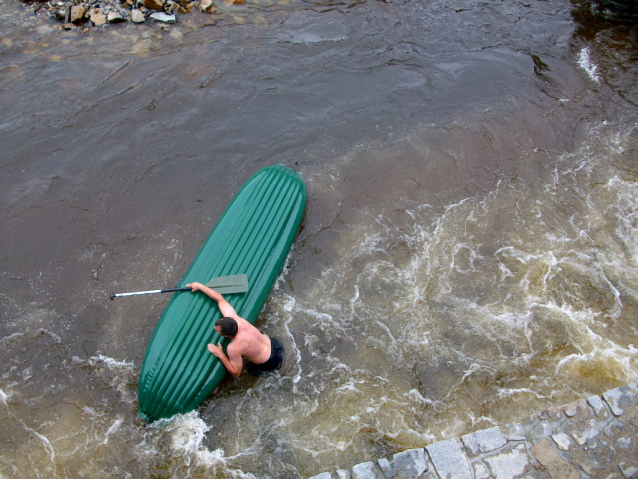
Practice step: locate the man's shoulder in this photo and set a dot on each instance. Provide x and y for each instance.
(239, 342)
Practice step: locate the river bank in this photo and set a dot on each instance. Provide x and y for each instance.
(592, 438)
(95, 13)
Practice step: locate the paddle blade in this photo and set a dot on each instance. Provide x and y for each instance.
(237, 283)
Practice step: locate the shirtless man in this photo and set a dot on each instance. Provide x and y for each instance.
(264, 353)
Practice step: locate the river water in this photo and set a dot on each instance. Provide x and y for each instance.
(468, 254)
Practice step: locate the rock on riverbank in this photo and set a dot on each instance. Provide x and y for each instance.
(104, 12)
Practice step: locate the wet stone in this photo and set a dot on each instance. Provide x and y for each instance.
(386, 468)
(154, 4)
(552, 414)
(615, 424)
(514, 432)
(510, 464)
(449, 460)
(480, 471)
(115, 17)
(542, 430)
(597, 405)
(578, 409)
(97, 17)
(621, 398)
(323, 475)
(365, 470)
(485, 440)
(206, 5)
(555, 465)
(589, 466)
(588, 431)
(562, 441)
(409, 464)
(629, 470)
(137, 16)
(623, 442)
(77, 14)
(163, 17)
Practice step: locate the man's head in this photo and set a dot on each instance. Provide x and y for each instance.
(227, 327)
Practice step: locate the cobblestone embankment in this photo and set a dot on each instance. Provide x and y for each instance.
(592, 438)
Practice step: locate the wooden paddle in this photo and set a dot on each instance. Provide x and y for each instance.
(237, 283)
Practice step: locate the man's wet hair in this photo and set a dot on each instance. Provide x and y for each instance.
(228, 326)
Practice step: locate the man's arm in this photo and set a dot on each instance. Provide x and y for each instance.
(227, 310)
(233, 362)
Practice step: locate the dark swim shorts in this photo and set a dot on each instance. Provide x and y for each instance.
(276, 359)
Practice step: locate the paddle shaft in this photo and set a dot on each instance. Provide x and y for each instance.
(113, 295)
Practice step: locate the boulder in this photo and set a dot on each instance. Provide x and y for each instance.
(115, 17)
(97, 17)
(163, 17)
(77, 14)
(137, 16)
(154, 4)
(206, 5)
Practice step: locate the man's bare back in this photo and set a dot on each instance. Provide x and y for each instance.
(247, 342)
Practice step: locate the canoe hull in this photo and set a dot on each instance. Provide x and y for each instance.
(252, 237)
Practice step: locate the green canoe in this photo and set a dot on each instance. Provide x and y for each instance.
(252, 237)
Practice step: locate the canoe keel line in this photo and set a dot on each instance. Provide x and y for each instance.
(252, 237)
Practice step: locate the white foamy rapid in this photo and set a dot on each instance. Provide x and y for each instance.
(584, 61)
(495, 306)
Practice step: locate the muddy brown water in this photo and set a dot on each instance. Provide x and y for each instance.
(468, 254)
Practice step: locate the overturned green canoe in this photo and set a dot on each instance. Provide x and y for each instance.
(252, 237)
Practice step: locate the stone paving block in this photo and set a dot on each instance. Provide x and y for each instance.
(552, 414)
(615, 424)
(449, 460)
(588, 431)
(480, 471)
(409, 464)
(365, 470)
(598, 406)
(343, 474)
(514, 432)
(578, 409)
(540, 431)
(555, 465)
(589, 466)
(510, 464)
(562, 441)
(323, 475)
(628, 470)
(386, 468)
(623, 442)
(485, 440)
(621, 398)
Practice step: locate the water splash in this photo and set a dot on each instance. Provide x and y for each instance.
(584, 61)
